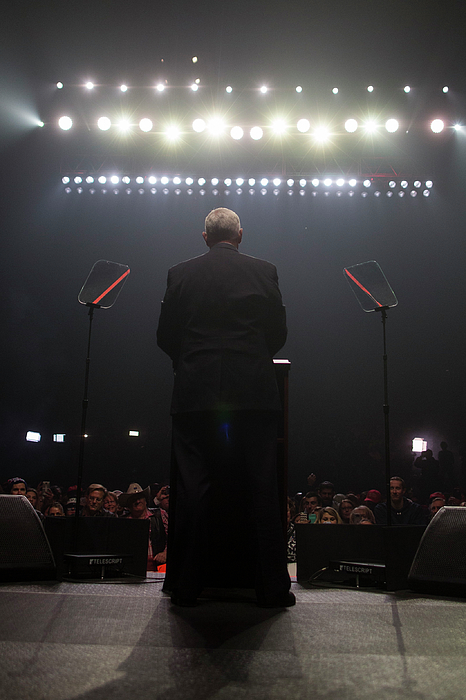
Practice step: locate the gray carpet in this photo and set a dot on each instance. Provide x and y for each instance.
(113, 640)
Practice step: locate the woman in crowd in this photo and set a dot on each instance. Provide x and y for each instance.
(328, 516)
(362, 515)
(54, 510)
(345, 510)
(111, 502)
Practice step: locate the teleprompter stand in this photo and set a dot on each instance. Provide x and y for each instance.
(374, 293)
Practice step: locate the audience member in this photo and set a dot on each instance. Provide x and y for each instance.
(16, 486)
(326, 491)
(94, 503)
(435, 506)
(372, 498)
(70, 507)
(54, 510)
(33, 497)
(362, 515)
(135, 501)
(111, 502)
(403, 511)
(328, 516)
(345, 510)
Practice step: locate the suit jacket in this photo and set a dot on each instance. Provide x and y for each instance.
(221, 322)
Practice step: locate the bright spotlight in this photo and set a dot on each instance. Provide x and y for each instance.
(228, 89)
(321, 134)
(299, 88)
(65, 123)
(227, 182)
(89, 180)
(404, 184)
(78, 179)
(264, 182)
(263, 89)
(194, 59)
(198, 125)
(237, 133)
(201, 181)
(429, 184)
(65, 179)
(194, 87)
(370, 88)
(352, 182)
(177, 180)
(40, 123)
(124, 124)
(214, 181)
(252, 182)
(302, 182)
(366, 183)
(60, 86)
(340, 182)
(216, 127)
(315, 182)
(123, 88)
(139, 180)
(445, 89)
(276, 182)
(256, 133)
(392, 125)
(104, 123)
(145, 125)
(172, 132)
(102, 179)
(279, 126)
(303, 125)
(126, 180)
(90, 86)
(114, 179)
(335, 90)
(164, 180)
(239, 181)
(406, 89)
(457, 127)
(370, 126)
(290, 182)
(351, 125)
(31, 436)
(392, 184)
(189, 181)
(437, 126)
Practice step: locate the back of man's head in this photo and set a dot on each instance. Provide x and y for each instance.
(222, 225)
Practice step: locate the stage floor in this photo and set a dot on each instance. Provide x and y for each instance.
(126, 640)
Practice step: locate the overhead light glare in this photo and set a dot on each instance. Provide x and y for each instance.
(370, 88)
(104, 123)
(31, 436)
(194, 87)
(236, 133)
(263, 89)
(299, 88)
(437, 126)
(228, 89)
(89, 85)
(445, 89)
(199, 125)
(60, 86)
(160, 87)
(392, 125)
(351, 125)
(65, 123)
(145, 125)
(406, 89)
(58, 437)
(256, 133)
(335, 90)
(123, 88)
(303, 125)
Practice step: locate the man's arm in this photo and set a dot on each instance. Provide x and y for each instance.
(169, 328)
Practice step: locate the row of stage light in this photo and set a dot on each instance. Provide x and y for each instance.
(315, 187)
(218, 127)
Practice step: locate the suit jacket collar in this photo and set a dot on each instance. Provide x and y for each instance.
(227, 246)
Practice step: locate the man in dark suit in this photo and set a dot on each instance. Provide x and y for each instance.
(221, 322)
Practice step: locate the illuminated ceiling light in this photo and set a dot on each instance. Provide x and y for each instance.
(404, 184)
(31, 436)
(279, 126)
(65, 123)
(445, 89)
(65, 180)
(366, 183)
(102, 179)
(252, 182)
(327, 182)
(197, 81)
(228, 89)
(392, 184)
(352, 182)
(194, 59)
(114, 179)
(214, 181)
(401, 193)
(177, 180)
(392, 125)
(263, 191)
(160, 87)
(152, 180)
(429, 184)
(194, 87)
(406, 89)
(315, 182)
(227, 182)
(124, 124)
(67, 190)
(321, 134)
(145, 125)
(216, 126)
(89, 180)
(370, 88)
(340, 182)
(58, 437)
(302, 183)
(164, 180)
(201, 181)
(239, 181)
(303, 125)
(264, 182)
(370, 126)
(198, 125)
(90, 86)
(78, 179)
(335, 90)
(133, 433)
(413, 193)
(351, 125)
(277, 182)
(104, 123)
(290, 182)
(60, 86)
(237, 133)
(126, 180)
(417, 184)
(123, 88)
(263, 89)
(139, 180)
(426, 193)
(256, 133)
(189, 181)
(437, 126)
(298, 88)
(172, 132)
(457, 127)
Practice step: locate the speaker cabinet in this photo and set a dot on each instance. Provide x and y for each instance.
(439, 565)
(25, 553)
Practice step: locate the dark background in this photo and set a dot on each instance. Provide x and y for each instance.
(51, 240)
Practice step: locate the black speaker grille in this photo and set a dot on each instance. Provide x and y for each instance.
(23, 542)
(441, 556)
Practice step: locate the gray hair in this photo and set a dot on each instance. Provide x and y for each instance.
(222, 225)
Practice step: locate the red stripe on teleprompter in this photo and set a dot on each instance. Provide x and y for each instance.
(361, 286)
(96, 301)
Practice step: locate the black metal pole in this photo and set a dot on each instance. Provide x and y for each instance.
(386, 411)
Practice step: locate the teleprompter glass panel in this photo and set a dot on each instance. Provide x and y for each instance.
(370, 286)
(103, 284)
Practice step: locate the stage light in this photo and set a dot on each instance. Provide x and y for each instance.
(141, 191)
(189, 181)
(124, 124)
(302, 183)
(263, 89)
(65, 123)
(406, 89)
(198, 125)
(419, 444)
(340, 182)
(413, 193)
(177, 192)
(229, 89)
(139, 180)
(89, 85)
(429, 184)
(299, 88)
(78, 179)
(189, 191)
(65, 179)
(251, 191)
(263, 191)
(172, 132)
(426, 193)
(370, 126)
(214, 181)
(327, 182)
(457, 127)
(123, 88)
(126, 180)
(370, 88)
(89, 179)
(102, 179)
(352, 182)
(290, 182)
(92, 190)
(160, 87)
(366, 183)
(67, 190)
(145, 125)
(239, 181)
(177, 180)
(276, 181)
(437, 126)
(445, 89)
(197, 81)
(251, 182)
(289, 192)
(216, 126)
(114, 179)
(279, 126)
(40, 123)
(194, 59)
(392, 184)
(201, 181)
(133, 433)
(164, 180)
(303, 125)
(401, 193)
(60, 86)
(32, 436)
(404, 184)
(153, 190)
(351, 125)
(236, 133)
(202, 192)
(239, 190)
(315, 182)
(321, 134)
(256, 133)
(392, 125)
(417, 184)
(335, 90)
(302, 193)
(194, 87)
(276, 192)
(264, 182)
(104, 123)
(227, 182)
